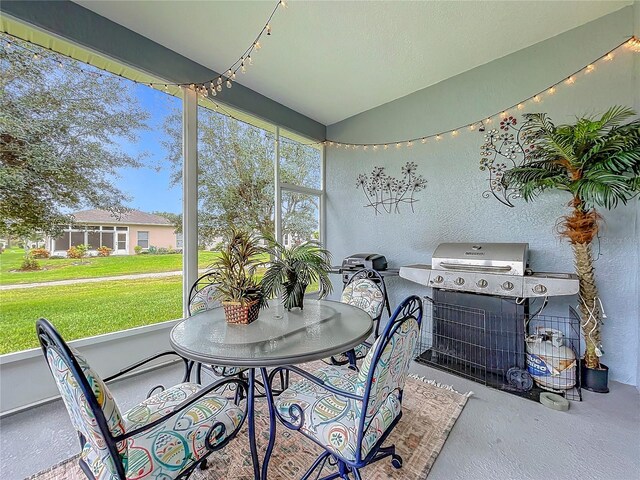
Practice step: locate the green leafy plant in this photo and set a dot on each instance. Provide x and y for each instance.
(104, 251)
(137, 249)
(292, 270)
(234, 270)
(153, 250)
(40, 253)
(29, 264)
(597, 162)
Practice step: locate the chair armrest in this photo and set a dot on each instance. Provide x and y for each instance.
(185, 404)
(317, 381)
(143, 362)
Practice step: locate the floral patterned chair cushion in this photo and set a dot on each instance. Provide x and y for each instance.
(168, 449)
(81, 415)
(391, 370)
(366, 295)
(331, 420)
(203, 300)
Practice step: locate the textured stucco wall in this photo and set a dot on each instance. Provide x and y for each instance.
(452, 207)
(159, 236)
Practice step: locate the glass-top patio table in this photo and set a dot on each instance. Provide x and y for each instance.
(277, 338)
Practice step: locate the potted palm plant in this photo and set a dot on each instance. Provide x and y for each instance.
(597, 162)
(292, 270)
(234, 274)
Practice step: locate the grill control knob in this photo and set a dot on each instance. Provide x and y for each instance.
(540, 289)
(459, 281)
(482, 283)
(438, 279)
(507, 286)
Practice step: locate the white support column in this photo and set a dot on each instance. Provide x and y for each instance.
(323, 198)
(189, 193)
(277, 214)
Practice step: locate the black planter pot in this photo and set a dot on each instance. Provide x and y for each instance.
(595, 380)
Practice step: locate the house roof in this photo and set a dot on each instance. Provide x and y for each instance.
(132, 217)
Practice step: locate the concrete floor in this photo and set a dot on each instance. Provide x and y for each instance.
(498, 436)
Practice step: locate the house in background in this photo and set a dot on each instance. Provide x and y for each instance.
(122, 233)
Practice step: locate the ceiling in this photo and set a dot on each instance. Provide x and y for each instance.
(330, 60)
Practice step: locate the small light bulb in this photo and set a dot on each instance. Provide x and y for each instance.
(338, 145)
(438, 137)
(250, 60)
(386, 146)
(35, 56)
(365, 147)
(283, 4)
(213, 92)
(609, 57)
(166, 88)
(504, 114)
(375, 147)
(454, 133)
(257, 45)
(520, 106)
(243, 69)
(268, 29)
(570, 81)
(488, 120)
(192, 86)
(472, 127)
(219, 80)
(331, 144)
(8, 46)
(233, 76)
(398, 145)
(551, 91)
(590, 68)
(228, 83)
(409, 144)
(424, 140)
(536, 99)
(355, 147)
(219, 88)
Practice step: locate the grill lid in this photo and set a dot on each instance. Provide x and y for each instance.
(500, 258)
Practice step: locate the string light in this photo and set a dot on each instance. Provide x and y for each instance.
(239, 64)
(632, 43)
(216, 86)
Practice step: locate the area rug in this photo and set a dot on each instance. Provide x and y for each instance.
(429, 412)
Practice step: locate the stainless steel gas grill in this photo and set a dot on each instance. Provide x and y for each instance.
(500, 269)
(480, 317)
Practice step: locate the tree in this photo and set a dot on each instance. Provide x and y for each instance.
(236, 176)
(596, 161)
(60, 140)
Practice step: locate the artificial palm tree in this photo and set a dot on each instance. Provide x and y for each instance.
(597, 161)
(292, 270)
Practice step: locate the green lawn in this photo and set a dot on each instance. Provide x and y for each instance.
(66, 268)
(88, 309)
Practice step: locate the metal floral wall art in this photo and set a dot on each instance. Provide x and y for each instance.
(385, 193)
(504, 148)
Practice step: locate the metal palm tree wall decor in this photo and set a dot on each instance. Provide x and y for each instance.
(504, 148)
(385, 193)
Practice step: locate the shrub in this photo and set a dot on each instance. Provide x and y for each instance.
(137, 249)
(29, 263)
(104, 251)
(162, 251)
(79, 251)
(39, 253)
(152, 250)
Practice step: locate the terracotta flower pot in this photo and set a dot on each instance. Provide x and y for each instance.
(242, 313)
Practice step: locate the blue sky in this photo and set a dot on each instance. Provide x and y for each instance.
(149, 187)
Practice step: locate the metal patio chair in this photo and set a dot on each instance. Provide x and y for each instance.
(350, 414)
(166, 436)
(365, 290)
